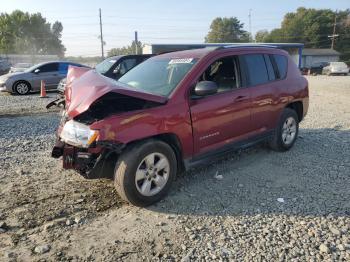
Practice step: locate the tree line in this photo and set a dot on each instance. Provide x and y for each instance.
(309, 26)
(313, 28)
(22, 32)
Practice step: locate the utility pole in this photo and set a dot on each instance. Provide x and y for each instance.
(136, 41)
(250, 25)
(101, 35)
(333, 36)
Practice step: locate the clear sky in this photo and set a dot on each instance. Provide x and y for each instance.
(157, 21)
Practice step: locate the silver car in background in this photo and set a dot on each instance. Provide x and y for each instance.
(335, 68)
(20, 67)
(30, 80)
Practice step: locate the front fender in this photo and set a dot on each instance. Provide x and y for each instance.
(129, 127)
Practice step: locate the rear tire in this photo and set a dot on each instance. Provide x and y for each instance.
(140, 180)
(21, 88)
(286, 131)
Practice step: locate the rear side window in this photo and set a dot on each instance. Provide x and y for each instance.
(63, 68)
(281, 63)
(256, 69)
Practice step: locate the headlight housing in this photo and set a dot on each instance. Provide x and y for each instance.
(77, 134)
(3, 81)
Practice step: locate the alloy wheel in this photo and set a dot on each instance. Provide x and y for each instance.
(289, 130)
(22, 88)
(152, 174)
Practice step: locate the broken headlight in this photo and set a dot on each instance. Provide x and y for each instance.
(78, 134)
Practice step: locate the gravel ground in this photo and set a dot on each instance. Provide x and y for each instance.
(30, 104)
(254, 205)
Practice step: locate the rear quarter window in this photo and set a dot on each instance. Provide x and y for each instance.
(282, 65)
(63, 68)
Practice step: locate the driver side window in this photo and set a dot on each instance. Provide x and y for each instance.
(224, 72)
(52, 67)
(125, 66)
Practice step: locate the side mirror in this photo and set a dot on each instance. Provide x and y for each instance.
(205, 88)
(36, 71)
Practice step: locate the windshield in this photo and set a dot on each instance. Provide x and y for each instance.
(105, 65)
(32, 68)
(158, 76)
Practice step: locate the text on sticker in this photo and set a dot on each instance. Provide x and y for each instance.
(181, 61)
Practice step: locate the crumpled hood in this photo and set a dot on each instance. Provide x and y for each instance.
(88, 86)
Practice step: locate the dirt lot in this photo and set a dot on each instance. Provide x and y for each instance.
(268, 206)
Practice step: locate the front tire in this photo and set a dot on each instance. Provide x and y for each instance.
(144, 172)
(21, 88)
(286, 131)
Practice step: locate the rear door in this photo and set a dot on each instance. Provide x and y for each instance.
(224, 117)
(265, 91)
(49, 74)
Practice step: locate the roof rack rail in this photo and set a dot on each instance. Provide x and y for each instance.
(245, 45)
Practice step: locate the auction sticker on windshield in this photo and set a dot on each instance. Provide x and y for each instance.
(181, 61)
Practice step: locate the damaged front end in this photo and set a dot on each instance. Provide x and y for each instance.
(60, 102)
(80, 150)
(92, 163)
(74, 72)
(92, 152)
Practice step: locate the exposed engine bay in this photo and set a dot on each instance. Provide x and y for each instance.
(113, 103)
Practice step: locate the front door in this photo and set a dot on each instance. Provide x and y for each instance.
(224, 117)
(49, 74)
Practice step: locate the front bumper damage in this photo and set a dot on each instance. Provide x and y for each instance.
(92, 163)
(60, 102)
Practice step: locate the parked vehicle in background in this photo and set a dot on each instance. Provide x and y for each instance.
(336, 68)
(177, 110)
(316, 68)
(20, 67)
(113, 67)
(4, 67)
(30, 80)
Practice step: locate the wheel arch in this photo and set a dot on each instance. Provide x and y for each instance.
(297, 106)
(173, 141)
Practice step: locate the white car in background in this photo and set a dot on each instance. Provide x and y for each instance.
(20, 67)
(335, 68)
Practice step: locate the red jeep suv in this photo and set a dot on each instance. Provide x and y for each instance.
(177, 110)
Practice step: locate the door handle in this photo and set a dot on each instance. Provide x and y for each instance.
(239, 98)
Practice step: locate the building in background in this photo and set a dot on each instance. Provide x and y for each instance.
(312, 56)
(294, 49)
